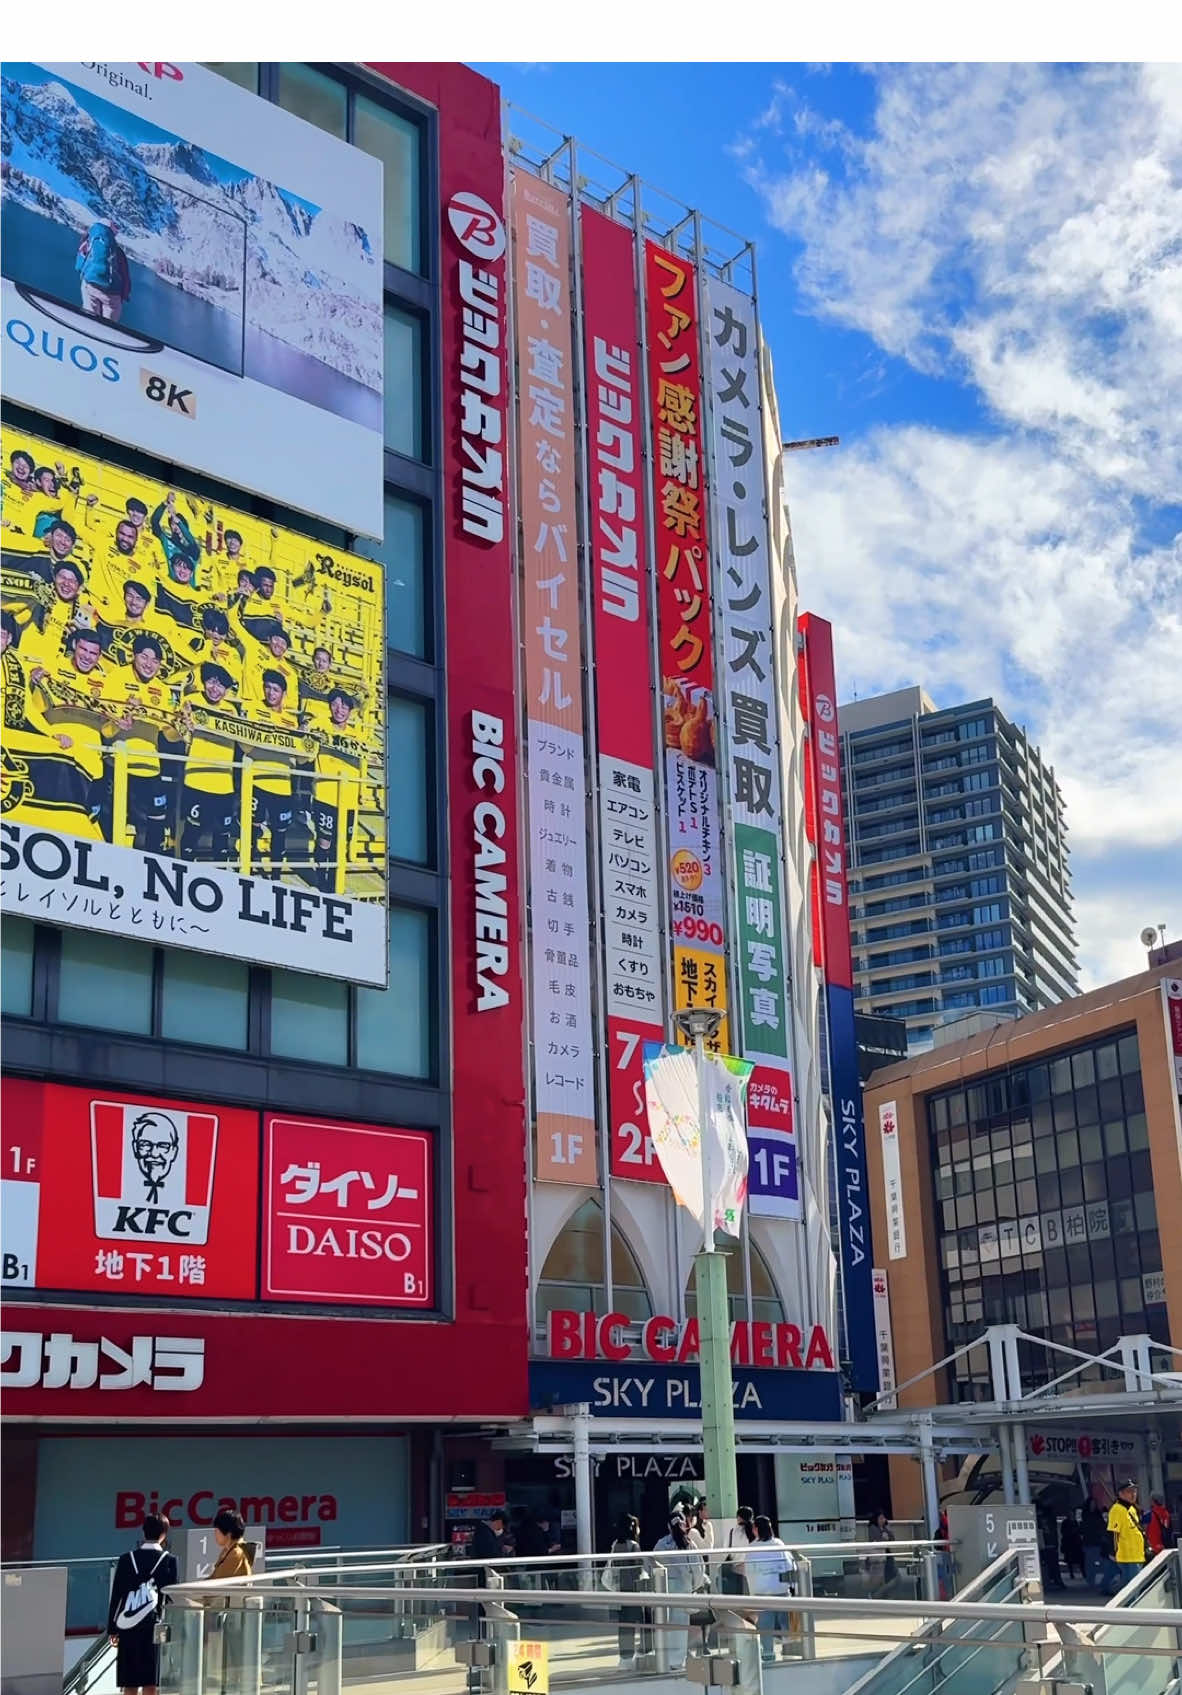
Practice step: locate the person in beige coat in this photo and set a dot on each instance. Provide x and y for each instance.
(233, 1560)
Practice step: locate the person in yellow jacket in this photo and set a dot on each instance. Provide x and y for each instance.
(71, 701)
(69, 608)
(340, 765)
(144, 703)
(269, 653)
(209, 802)
(215, 643)
(272, 803)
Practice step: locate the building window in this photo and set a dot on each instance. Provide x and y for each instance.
(106, 982)
(16, 968)
(409, 815)
(309, 1018)
(573, 1277)
(321, 99)
(403, 553)
(397, 142)
(245, 75)
(394, 1024)
(205, 999)
(402, 387)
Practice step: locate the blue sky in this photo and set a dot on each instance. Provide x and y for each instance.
(973, 275)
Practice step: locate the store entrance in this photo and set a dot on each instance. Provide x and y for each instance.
(649, 1485)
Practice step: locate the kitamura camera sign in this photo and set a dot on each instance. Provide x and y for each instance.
(194, 722)
(194, 271)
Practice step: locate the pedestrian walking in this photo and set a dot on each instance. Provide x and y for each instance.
(1124, 1527)
(1071, 1545)
(233, 1559)
(627, 1576)
(1159, 1527)
(733, 1572)
(137, 1590)
(685, 1573)
(769, 1571)
(882, 1570)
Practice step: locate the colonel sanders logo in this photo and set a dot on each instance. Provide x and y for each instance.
(153, 1171)
(155, 1143)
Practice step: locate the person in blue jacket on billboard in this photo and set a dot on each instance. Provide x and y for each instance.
(105, 274)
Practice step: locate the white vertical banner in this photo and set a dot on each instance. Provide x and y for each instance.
(746, 690)
(886, 1340)
(888, 1124)
(556, 786)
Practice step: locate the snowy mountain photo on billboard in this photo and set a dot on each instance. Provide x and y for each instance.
(219, 262)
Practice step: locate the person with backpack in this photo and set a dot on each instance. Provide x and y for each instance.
(105, 275)
(141, 1576)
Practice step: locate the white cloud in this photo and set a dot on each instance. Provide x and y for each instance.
(1018, 229)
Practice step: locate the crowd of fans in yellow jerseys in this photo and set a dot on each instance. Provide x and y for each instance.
(169, 667)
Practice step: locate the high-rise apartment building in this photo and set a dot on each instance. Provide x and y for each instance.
(960, 891)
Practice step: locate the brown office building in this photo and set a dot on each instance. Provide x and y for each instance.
(1039, 1183)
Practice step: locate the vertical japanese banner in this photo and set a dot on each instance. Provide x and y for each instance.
(750, 734)
(696, 882)
(629, 865)
(892, 1177)
(825, 828)
(560, 934)
(1171, 995)
(886, 1340)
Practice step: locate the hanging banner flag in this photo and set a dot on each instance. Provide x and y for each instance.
(888, 1124)
(747, 688)
(886, 1341)
(628, 852)
(825, 829)
(1171, 995)
(771, 1142)
(675, 1125)
(560, 946)
(696, 878)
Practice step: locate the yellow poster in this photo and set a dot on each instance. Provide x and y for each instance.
(529, 1668)
(699, 979)
(186, 683)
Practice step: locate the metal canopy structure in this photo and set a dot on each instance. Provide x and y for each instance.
(1129, 1385)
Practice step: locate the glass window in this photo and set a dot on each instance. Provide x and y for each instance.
(403, 553)
(1083, 1069)
(397, 142)
(402, 399)
(312, 95)
(394, 1025)
(1061, 1076)
(106, 982)
(1107, 1064)
(408, 818)
(16, 974)
(205, 1000)
(1130, 1058)
(245, 75)
(309, 1018)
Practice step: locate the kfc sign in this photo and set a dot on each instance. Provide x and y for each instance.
(153, 1172)
(348, 1214)
(128, 1194)
(30, 1359)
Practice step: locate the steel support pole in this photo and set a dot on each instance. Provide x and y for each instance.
(1021, 1468)
(581, 1456)
(714, 1330)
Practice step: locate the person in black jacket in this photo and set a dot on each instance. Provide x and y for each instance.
(136, 1653)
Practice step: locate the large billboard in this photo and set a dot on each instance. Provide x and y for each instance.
(697, 882)
(560, 934)
(198, 273)
(629, 857)
(194, 721)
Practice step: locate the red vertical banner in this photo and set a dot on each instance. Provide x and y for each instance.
(629, 860)
(824, 811)
(697, 885)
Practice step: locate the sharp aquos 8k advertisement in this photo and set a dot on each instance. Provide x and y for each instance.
(191, 270)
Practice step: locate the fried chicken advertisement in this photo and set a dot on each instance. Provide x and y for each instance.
(689, 724)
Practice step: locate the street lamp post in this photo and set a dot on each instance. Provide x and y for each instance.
(714, 1330)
